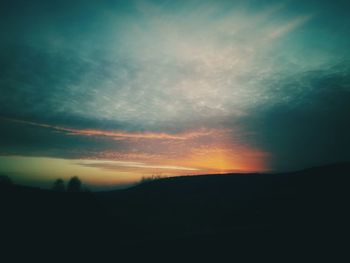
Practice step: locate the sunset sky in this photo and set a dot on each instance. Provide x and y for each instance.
(112, 91)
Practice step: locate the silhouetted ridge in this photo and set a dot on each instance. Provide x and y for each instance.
(206, 212)
(243, 182)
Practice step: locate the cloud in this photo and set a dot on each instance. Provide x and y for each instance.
(202, 150)
(151, 81)
(153, 65)
(310, 129)
(117, 165)
(121, 135)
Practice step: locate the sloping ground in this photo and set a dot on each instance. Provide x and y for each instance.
(187, 215)
(218, 203)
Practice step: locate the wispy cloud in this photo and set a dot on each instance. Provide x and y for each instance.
(206, 85)
(122, 135)
(117, 165)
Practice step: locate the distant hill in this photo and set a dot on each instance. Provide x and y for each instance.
(209, 212)
(208, 202)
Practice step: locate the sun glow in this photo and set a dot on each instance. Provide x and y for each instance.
(191, 152)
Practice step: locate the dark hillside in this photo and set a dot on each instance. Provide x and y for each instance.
(188, 214)
(217, 202)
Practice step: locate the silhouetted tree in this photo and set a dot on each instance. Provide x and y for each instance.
(58, 186)
(74, 185)
(5, 180)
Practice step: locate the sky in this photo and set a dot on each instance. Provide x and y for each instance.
(113, 91)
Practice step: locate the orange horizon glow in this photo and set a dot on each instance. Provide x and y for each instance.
(193, 152)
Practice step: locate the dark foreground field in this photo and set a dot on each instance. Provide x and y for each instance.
(301, 216)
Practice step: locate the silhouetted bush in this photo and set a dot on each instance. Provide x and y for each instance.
(150, 179)
(58, 186)
(86, 190)
(74, 185)
(5, 180)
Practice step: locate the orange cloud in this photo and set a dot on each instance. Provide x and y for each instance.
(209, 155)
(120, 135)
(193, 152)
(223, 160)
